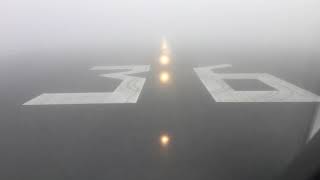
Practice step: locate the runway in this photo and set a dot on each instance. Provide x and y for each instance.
(55, 124)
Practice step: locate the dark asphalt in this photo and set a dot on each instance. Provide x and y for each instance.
(209, 140)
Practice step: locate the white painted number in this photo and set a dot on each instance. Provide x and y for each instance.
(222, 92)
(130, 88)
(127, 92)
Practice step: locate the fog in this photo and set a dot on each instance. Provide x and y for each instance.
(50, 46)
(33, 25)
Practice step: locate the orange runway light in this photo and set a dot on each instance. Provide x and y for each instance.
(164, 77)
(164, 60)
(164, 140)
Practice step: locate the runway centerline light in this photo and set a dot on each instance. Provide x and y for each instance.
(164, 77)
(164, 45)
(164, 60)
(164, 140)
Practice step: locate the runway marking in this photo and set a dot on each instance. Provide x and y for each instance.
(222, 92)
(127, 92)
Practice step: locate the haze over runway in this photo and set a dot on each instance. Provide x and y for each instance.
(175, 129)
(93, 89)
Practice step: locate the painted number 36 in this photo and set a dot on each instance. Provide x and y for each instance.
(131, 86)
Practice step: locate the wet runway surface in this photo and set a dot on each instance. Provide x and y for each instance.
(207, 139)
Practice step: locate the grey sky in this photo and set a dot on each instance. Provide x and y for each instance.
(35, 24)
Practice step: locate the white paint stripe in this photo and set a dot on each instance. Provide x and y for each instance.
(222, 92)
(127, 92)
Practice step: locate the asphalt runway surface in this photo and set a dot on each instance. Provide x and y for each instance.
(208, 139)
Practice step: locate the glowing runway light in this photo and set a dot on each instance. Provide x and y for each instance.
(164, 45)
(164, 77)
(164, 60)
(164, 140)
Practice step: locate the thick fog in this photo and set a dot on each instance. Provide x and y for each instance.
(59, 24)
(75, 48)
